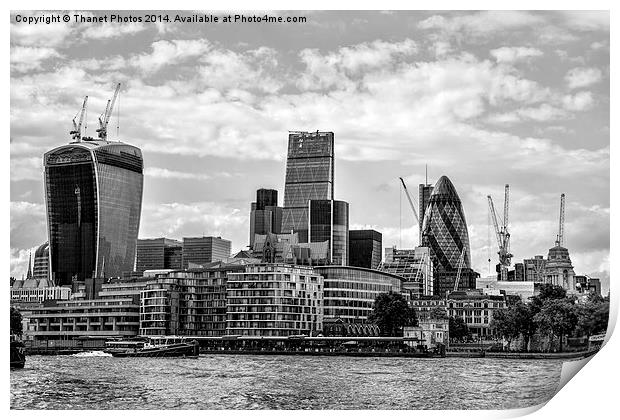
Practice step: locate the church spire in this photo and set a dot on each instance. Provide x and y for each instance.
(29, 275)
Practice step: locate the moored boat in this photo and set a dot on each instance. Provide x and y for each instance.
(18, 354)
(154, 347)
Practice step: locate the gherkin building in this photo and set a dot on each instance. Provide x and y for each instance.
(444, 229)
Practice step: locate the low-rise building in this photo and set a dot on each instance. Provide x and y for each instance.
(40, 294)
(476, 309)
(491, 286)
(431, 332)
(425, 305)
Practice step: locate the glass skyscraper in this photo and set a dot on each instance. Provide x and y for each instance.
(444, 229)
(329, 221)
(93, 193)
(309, 176)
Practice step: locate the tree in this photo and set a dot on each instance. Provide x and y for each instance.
(438, 313)
(526, 325)
(505, 323)
(557, 317)
(593, 317)
(16, 322)
(391, 313)
(549, 292)
(457, 328)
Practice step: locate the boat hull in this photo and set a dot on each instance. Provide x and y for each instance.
(18, 355)
(173, 350)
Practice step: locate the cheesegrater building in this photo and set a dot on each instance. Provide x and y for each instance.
(93, 192)
(309, 176)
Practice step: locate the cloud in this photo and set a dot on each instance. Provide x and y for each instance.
(24, 59)
(581, 101)
(112, 30)
(514, 54)
(163, 173)
(170, 53)
(481, 22)
(582, 77)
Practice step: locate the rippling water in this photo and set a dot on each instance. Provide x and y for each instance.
(281, 382)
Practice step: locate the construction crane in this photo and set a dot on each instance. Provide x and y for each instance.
(502, 234)
(76, 133)
(104, 118)
(458, 273)
(413, 206)
(560, 239)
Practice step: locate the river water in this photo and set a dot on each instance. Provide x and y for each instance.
(281, 382)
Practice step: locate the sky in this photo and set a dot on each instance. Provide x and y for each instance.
(485, 98)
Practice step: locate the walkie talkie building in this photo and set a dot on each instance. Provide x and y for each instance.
(93, 192)
(309, 176)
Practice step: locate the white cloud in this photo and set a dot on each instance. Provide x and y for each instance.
(582, 77)
(581, 101)
(24, 59)
(513, 54)
(481, 22)
(170, 53)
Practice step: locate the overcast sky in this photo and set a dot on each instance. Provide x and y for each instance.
(486, 98)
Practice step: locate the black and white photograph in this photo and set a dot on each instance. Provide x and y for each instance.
(306, 209)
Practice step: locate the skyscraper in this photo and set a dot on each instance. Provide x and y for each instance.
(365, 248)
(329, 221)
(309, 176)
(444, 231)
(93, 193)
(424, 196)
(265, 215)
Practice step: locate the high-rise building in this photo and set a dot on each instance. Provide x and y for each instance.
(265, 215)
(93, 193)
(328, 220)
(444, 227)
(159, 253)
(204, 250)
(41, 267)
(414, 266)
(424, 196)
(309, 176)
(534, 269)
(365, 248)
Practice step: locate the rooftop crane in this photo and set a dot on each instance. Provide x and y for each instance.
(560, 239)
(502, 234)
(104, 118)
(458, 273)
(76, 133)
(415, 212)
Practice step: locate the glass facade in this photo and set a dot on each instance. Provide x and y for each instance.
(365, 248)
(329, 221)
(350, 292)
(309, 176)
(157, 254)
(424, 196)
(444, 228)
(205, 250)
(94, 200)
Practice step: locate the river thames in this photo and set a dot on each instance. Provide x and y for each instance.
(281, 382)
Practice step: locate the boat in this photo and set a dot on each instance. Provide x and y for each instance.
(18, 354)
(165, 346)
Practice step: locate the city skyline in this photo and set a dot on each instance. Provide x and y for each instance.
(523, 99)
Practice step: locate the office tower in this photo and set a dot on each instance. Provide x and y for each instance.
(365, 248)
(414, 266)
(444, 228)
(309, 176)
(41, 266)
(424, 196)
(444, 231)
(93, 195)
(204, 250)
(328, 220)
(265, 215)
(159, 253)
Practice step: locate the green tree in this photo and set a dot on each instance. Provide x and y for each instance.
(526, 325)
(557, 317)
(457, 328)
(391, 313)
(16, 322)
